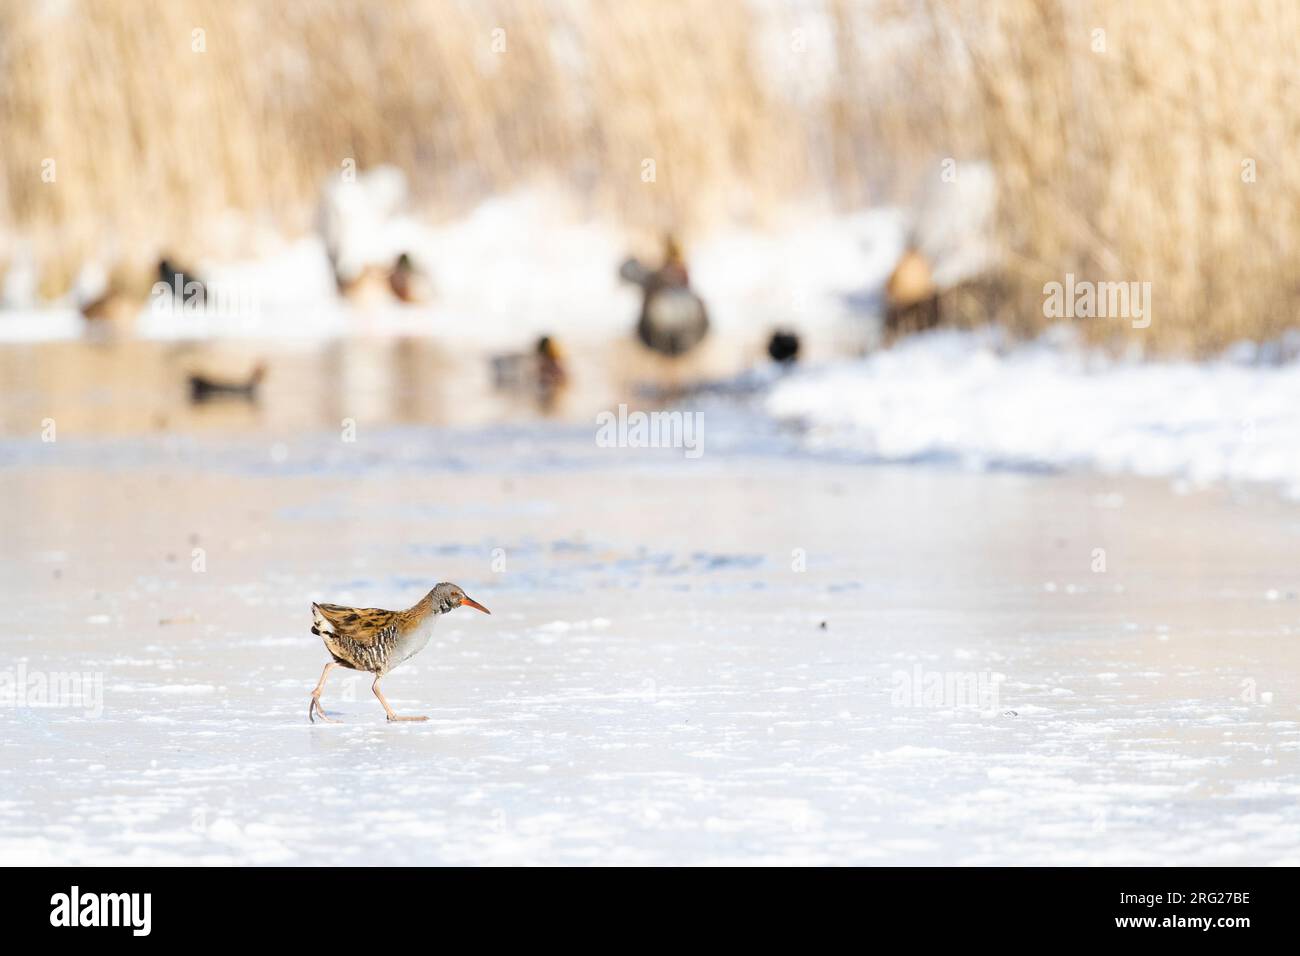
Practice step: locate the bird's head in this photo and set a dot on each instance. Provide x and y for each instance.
(448, 597)
(548, 349)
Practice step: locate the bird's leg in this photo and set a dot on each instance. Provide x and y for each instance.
(315, 708)
(391, 714)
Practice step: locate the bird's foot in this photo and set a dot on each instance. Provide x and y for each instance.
(393, 717)
(316, 709)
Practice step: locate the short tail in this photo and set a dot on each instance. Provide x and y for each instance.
(320, 624)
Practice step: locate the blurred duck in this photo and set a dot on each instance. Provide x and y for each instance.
(948, 273)
(550, 365)
(409, 283)
(355, 219)
(673, 318)
(541, 369)
(783, 347)
(104, 301)
(368, 285)
(204, 388)
(111, 310)
(911, 299)
(186, 286)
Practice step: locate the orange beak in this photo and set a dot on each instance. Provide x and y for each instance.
(470, 602)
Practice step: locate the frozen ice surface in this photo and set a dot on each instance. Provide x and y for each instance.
(655, 684)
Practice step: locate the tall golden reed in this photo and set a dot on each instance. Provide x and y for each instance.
(1126, 162)
(1145, 141)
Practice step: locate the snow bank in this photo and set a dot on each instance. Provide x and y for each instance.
(966, 397)
(515, 267)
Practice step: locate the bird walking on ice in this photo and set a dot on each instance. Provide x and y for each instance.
(374, 640)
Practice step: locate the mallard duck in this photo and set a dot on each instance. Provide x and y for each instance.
(409, 283)
(541, 368)
(355, 220)
(112, 307)
(368, 286)
(911, 299)
(673, 318)
(203, 388)
(186, 286)
(108, 300)
(550, 364)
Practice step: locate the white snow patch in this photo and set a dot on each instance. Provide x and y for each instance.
(519, 264)
(968, 397)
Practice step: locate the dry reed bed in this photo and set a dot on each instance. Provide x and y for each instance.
(1132, 162)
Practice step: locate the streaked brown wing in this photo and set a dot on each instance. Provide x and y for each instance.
(360, 625)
